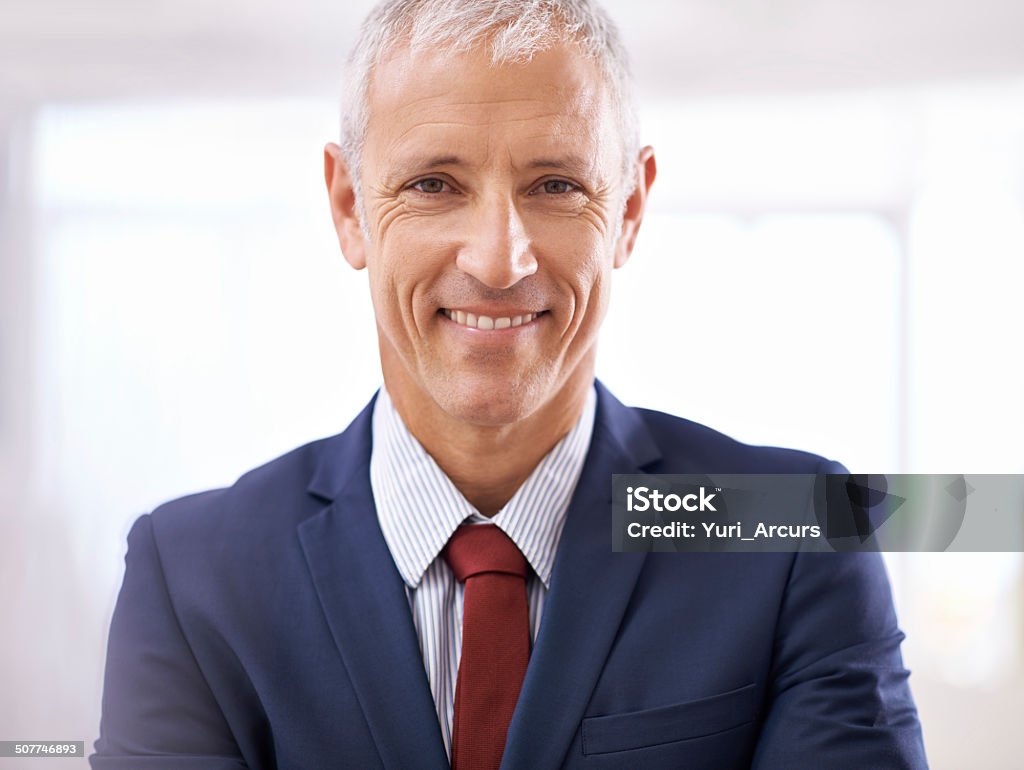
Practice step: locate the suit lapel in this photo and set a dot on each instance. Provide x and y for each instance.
(590, 589)
(364, 600)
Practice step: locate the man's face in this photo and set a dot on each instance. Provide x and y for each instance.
(493, 200)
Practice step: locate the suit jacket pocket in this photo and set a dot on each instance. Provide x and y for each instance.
(665, 724)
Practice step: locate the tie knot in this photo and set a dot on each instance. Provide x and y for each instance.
(478, 548)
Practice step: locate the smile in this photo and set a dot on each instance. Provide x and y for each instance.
(486, 322)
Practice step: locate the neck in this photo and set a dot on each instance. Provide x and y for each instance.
(488, 463)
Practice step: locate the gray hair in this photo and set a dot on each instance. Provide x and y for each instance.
(514, 31)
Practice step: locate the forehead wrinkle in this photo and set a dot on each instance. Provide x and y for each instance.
(442, 103)
(483, 116)
(563, 94)
(428, 124)
(563, 124)
(560, 127)
(479, 102)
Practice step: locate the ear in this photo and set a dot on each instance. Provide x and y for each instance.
(645, 170)
(342, 195)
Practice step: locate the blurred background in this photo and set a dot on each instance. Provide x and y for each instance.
(836, 236)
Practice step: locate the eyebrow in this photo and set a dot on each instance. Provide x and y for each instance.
(439, 160)
(412, 166)
(572, 163)
(422, 163)
(568, 162)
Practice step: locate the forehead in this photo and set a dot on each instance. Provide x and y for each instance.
(433, 97)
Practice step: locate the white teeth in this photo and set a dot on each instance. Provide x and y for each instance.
(485, 322)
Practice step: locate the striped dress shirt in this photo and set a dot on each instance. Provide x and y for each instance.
(419, 509)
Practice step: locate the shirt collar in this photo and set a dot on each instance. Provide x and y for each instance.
(419, 508)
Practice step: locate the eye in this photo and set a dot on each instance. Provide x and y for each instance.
(431, 185)
(557, 187)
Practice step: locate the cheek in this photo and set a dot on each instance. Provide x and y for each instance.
(577, 246)
(598, 289)
(584, 264)
(404, 263)
(580, 268)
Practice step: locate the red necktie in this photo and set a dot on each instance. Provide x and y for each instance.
(495, 642)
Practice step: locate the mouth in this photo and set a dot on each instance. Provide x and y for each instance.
(490, 323)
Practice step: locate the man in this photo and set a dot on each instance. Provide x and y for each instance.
(436, 584)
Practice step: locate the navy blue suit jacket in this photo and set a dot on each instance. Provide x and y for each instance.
(266, 626)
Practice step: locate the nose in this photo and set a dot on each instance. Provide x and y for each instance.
(497, 250)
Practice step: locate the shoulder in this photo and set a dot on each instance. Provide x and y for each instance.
(686, 444)
(272, 489)
(274, 497)
(202, 537)
(213, 549)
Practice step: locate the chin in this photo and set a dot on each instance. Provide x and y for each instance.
(483, 400)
